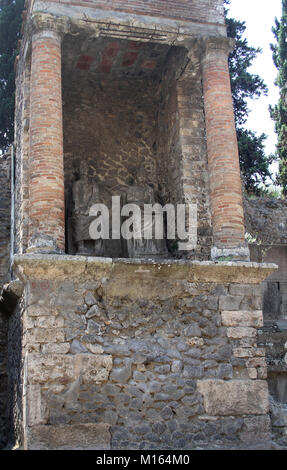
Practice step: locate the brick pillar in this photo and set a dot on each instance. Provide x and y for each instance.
(223, 157)
(46, 178)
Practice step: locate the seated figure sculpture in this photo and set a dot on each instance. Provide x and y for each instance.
(86, 193)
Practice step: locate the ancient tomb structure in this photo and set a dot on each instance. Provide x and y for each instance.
(131, 346)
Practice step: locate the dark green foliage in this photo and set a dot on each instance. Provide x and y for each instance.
(10, 24)
(244, 85)
(279, 112)
(253, 160)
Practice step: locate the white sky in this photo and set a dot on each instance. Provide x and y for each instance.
(259, 17)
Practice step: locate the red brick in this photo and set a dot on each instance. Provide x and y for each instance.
(46, 210)
(222, 148)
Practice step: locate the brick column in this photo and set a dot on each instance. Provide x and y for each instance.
(46, 175)
(223, 157)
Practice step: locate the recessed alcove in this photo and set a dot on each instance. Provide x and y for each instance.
(121, 127)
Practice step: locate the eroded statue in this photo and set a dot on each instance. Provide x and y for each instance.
(86, 193)
(140, 246)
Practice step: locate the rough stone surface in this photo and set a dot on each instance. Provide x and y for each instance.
(5, 216)
(152, 367)
(235, 397)
(250, 319)
(3, 379)
(266, 220)
(60, 369)
(5, 220)
(78, 436)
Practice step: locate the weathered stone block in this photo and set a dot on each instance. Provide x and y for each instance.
(39, 310)
(36, 409)
(241, 332)
(243, 352)
(256, 362)
(252, 373)
(121, 374)
(193, 371)
(62, 369)
(90, 299)
(240, 302)
(196, 342)
(45, 335)
(247, 342)
(234, 397)
(230, 302)
(193, 331)
(52, 321)
(68, 437)
(256, 429)
(225, 371)
(55, 348)
(240, 318)
(77, 347)
(95, 349)
(245, 289)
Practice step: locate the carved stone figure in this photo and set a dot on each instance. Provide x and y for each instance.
(140, 246)
(86, 193)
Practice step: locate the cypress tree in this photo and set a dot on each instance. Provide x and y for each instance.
(254, 164)
(279, 111)
(10, 25)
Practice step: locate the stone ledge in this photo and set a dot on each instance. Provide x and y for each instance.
(68, 267)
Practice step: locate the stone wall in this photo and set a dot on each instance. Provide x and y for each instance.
(109, 132)
(128, 355)
(5, 216)
(22, 124)
(3, 380)
(195, 177)
(5, 177)
(266, 221)
(15, 378)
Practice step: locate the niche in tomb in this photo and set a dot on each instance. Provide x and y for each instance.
(121, 138)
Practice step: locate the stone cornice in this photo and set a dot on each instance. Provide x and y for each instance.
(67, 267)
(62, 24)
